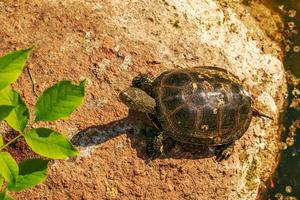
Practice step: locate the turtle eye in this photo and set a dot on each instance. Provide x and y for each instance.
(125, 97)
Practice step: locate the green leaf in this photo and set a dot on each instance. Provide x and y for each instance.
(19, 116)
(32, 172)
(1, 181)
(9, 169)
(59, 101)
(11, 66)
(49, 143)
(5, 111)
(2, 195)
(1, 140)
(5, 197)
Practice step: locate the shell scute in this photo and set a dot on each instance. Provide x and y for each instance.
(178, 79)
(229, 117)
(170, 92)
(208, 123)
(172, 104)
(244, 112)
(198, 97)
(183, 120)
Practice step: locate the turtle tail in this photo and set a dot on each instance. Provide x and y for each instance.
(260, 114)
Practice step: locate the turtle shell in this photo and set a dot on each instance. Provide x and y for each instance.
(202, 105)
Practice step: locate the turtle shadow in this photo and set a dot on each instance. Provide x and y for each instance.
(134, 127)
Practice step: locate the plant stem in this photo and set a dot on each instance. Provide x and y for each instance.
(33, 85)
(14, 139)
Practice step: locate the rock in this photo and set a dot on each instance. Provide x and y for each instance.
(71, 37)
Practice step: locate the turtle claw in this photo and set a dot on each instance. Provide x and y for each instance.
(152, 152)
(224, 152)
(154, 144)
(155, 149)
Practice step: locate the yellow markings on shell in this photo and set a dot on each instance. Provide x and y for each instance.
(217, 140)
(194, 86)
(215, 111)
(204, 127)
(220, 100)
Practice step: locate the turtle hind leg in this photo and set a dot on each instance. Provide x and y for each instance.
(223, 152)
(154, 145)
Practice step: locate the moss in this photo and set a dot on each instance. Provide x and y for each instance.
(252, 172)
(251, 175)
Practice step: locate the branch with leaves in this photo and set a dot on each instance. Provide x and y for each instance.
(56, 102)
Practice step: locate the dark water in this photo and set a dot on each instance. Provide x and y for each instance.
(285, 183)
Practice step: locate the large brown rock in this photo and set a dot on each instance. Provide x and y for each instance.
(108, 42)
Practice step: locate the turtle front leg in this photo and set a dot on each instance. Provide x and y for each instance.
(223, 152)
(154, 145)
(144, 82)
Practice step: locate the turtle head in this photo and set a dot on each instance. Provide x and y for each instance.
(138, 100)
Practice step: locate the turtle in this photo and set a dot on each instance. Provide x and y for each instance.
(204, 105)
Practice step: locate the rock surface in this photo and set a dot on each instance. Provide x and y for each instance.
(108, 42)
